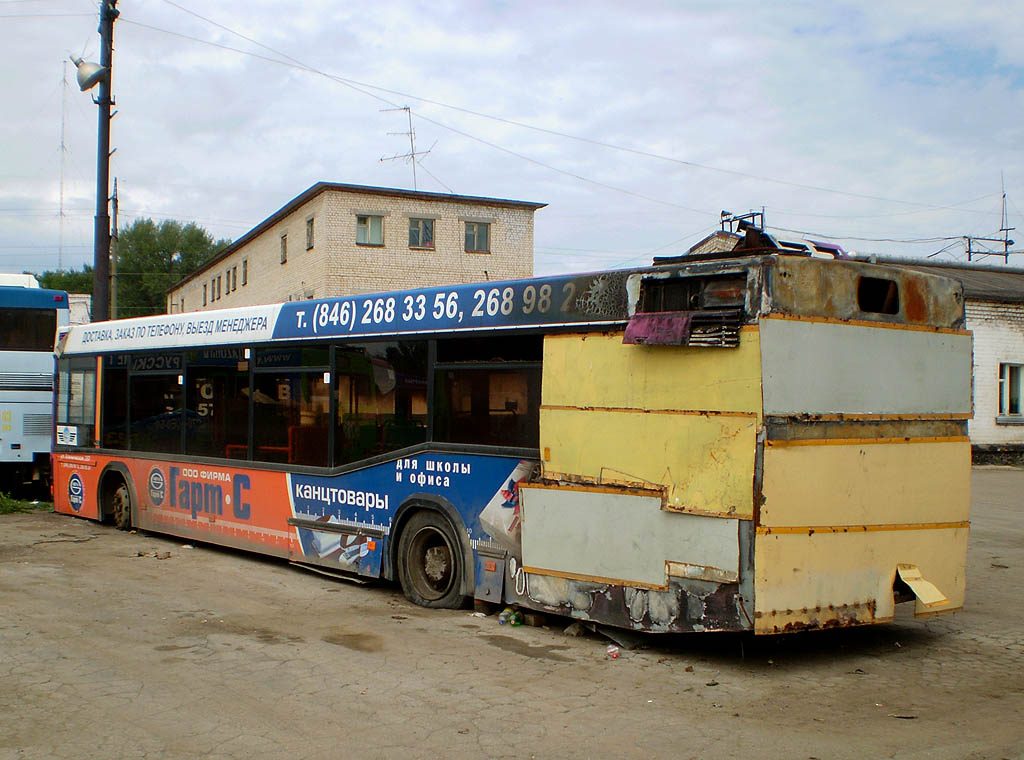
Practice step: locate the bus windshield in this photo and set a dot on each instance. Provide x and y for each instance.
(27, 329)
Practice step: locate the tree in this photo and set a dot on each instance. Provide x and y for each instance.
(72, 282)
(153, 257)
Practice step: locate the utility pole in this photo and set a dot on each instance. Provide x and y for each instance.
(101, 231)
(113, 255)
(63, 155)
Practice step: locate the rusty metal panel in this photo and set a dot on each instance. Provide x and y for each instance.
(815, 287)
(827, 579)
(867, 482)
(597, 370)
(704, 463)
(815, 367)
(685, 606)
(620, 537)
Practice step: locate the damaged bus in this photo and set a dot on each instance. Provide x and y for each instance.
(752, 440)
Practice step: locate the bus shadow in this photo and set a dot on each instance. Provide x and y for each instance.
(808, 648)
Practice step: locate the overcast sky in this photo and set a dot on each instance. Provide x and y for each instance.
(637, 123)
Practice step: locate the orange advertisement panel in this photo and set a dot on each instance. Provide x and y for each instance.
(229, 505)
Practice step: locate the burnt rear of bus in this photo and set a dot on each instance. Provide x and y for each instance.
(773, 443)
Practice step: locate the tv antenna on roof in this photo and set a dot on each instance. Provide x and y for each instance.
(412, 154)
(1004, 227)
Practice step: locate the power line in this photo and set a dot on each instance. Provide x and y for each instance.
(928, 210)
(867, 239)
(420, 116)
(44, 15)
(599, 143)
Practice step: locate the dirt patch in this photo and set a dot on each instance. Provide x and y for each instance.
(518, 646)
(361, 642)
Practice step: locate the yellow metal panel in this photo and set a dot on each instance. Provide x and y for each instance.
(865, 483)
(598, 370)
(705, 463)
(845, 578)
(923, 589)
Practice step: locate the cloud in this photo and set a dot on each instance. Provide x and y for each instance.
(893, 108)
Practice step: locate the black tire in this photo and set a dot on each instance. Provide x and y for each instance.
(431, 565)
(121, 505)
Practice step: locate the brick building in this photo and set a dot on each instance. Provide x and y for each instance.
(336, 239)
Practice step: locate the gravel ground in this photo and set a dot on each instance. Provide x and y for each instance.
(116, 645)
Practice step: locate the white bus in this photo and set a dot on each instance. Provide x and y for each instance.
(29, 318)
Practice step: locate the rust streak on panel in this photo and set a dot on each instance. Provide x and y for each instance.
(933, 613)
(812, 529)
(552, 481)
(866, 323)
(700, 572)
(594, 578)
(634, 410)
(881, 417)
(914, 304)
(863, 441)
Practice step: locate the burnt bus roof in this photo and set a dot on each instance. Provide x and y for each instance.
(793, 284)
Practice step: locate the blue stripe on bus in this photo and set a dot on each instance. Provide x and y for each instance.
(569, 299)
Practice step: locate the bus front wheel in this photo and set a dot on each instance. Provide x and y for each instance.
(118, 503)
(430, 562)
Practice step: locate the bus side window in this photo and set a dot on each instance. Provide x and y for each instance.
(488, 406)
(217, 404)
(381, 398)
(156, 402)
(487, 391)
(291, 403)
(114, 405)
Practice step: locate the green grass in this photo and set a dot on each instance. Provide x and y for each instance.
(9, 505)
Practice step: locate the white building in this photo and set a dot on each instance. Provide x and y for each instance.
(994, 301)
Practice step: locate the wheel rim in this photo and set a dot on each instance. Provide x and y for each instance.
(431, 563)
(122, 505)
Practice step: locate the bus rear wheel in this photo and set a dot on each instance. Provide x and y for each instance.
(430, 562)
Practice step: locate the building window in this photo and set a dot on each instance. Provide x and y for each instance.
(477, 237)
(1010, 390)
(370, 230)
(182, 309)
(284, 249)
(309, 233)
(219, 292)
(421, 233)
(204, 294)
(234, 278)
(245, 272)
